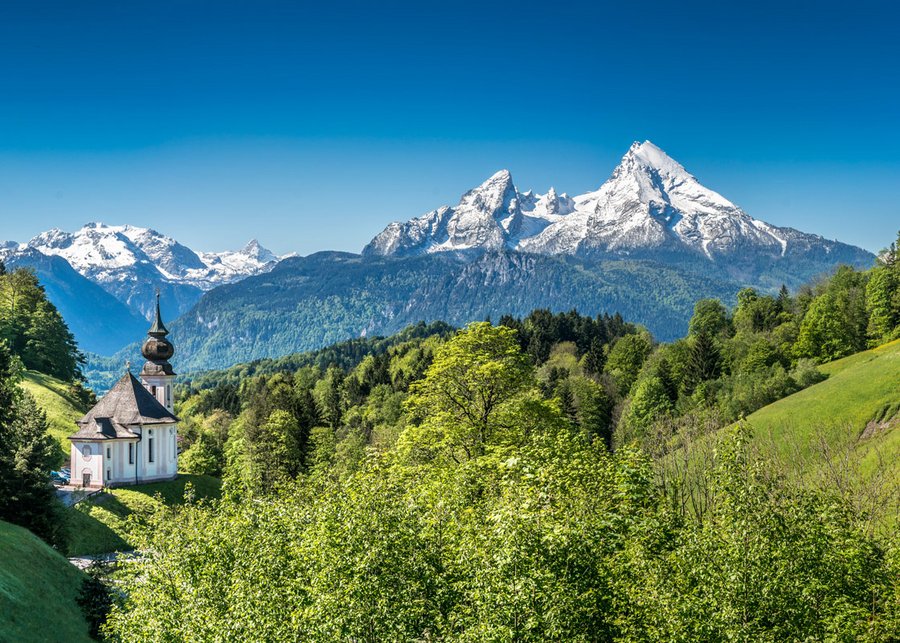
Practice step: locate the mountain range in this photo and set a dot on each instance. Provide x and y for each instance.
(647, 243)
(115, 270)
(650, 208)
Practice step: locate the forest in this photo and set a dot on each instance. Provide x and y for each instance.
(510, 480)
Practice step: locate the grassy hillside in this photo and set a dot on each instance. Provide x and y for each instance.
(37, 591)
(57, 401)
(856, 410)
(103, 523)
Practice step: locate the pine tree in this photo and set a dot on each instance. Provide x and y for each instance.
(705, 362)
(27, 454)
(784, 300)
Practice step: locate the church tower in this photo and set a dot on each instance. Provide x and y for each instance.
(157, 375)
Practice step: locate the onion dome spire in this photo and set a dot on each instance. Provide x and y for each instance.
(158, 329)
(157, 350)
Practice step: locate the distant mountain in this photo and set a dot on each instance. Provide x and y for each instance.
(100, 322)
(129, 263)
(650, 208)
(647, 244)
(309, 302)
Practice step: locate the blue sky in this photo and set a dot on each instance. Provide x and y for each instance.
(311, 126)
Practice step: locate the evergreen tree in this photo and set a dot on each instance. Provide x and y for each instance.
(705, 360)
(27, 455)
(784, 299)
(34, 329)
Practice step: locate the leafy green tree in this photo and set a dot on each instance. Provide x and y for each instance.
(824, 332)
(881, 302)
(461, 400)
(649, 403)
(201, 458)
(627, 357)
(709, 317)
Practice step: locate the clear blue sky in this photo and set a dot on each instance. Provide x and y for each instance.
(312, 125)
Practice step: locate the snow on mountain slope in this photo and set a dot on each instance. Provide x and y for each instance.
(650, 206)
(483, 219)
(130, 262)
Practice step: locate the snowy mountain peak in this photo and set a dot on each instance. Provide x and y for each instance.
(650, 206)
(128, 260)
(492, 196)
(254, 250)
(648, 155)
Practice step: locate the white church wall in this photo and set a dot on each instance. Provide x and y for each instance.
(123, 471)
(160, 386)
(165, 460)
(87, 457)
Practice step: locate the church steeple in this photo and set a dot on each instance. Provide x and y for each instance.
(158, 329)
(157, 350)
(157, 375)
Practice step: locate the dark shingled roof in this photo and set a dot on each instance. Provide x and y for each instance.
(128, 403)
(100, 428)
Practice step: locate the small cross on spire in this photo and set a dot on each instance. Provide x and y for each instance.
(127, 365)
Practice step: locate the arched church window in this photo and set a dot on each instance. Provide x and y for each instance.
(86, 452)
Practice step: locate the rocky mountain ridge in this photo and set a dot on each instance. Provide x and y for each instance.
(651, 207)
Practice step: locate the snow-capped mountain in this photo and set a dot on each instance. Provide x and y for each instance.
(130, 262)
(651, 207)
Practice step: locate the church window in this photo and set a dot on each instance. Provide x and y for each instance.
(86, 452)
(131, 453)
(108, 475)
(108, 453)
(150, 450)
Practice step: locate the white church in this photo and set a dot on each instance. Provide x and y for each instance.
(131, 434)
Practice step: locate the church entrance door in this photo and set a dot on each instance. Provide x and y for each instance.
(86, 479)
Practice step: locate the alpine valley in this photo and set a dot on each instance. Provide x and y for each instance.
(647, 243)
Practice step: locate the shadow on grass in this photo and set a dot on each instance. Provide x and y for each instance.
(107, 522)
(89, 535)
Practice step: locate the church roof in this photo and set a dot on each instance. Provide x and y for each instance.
(127, 403)
(101, 428)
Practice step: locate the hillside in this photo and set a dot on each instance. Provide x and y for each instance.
(37, 591)
(62, 408)
(857, 407)
(842, 427)
(103, 523)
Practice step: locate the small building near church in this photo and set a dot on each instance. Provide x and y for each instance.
(131, 435)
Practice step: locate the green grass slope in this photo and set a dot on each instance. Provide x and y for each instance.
(853, 414)
(37, 591)
(57, 401)
(105, 522)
